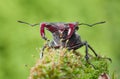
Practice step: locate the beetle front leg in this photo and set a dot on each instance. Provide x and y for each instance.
(86, 56)
(93, 50)
(42, 50)
(86, 51)
(97, 54)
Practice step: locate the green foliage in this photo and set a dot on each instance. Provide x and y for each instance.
(63, 64)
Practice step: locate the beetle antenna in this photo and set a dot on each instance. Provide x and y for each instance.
(28, 23)
(90, 25)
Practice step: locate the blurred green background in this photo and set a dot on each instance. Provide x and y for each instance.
(18, 42)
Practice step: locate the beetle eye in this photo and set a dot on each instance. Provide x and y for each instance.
(76, 28)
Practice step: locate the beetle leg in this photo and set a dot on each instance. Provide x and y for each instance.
(93, 50)
(41, 52)
(86, 51)
(86, 56)
(97, 54)
(43, 48)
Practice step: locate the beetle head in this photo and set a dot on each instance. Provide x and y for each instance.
(61, 28)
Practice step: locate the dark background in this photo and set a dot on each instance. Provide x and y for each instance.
(19, 43)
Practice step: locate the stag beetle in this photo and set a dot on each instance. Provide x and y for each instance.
(64, 35)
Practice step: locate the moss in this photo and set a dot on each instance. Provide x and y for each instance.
(63, 64)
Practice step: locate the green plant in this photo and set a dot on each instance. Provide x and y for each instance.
(63, 64)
